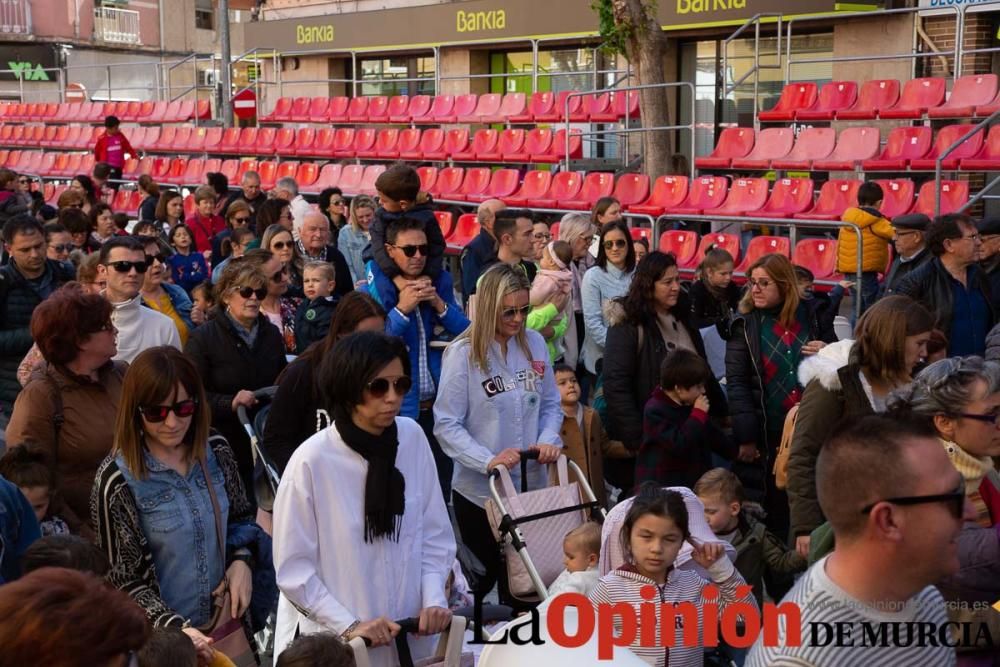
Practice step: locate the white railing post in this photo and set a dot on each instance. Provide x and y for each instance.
(120, 26)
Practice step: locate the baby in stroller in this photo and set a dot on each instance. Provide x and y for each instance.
(582, 550)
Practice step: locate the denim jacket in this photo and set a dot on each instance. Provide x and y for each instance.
(181, 302)
(600, 286)
(477, 415)
(352, 244)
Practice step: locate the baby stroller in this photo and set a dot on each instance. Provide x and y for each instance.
(531, 525)
(448, 653)
(265, 473)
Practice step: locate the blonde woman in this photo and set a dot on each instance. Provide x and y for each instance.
(578, 231)
(497, 397)
(354, 237)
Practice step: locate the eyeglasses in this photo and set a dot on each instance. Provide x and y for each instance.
(986, 419)
(159, 257)
(956, 498)
(157, 413)
(617, 243)
(975, 238)
(763, 283)
(379, 387)
(279, 276)
(247, 292)
(281, 245)
(61, 247)
(241, 218)
(336, 202)
(411, 250)
(125, 267)
(511, 313)
(23, 181)
(542, 236)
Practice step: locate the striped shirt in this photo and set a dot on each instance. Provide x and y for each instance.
(625, 584)
(881, 638)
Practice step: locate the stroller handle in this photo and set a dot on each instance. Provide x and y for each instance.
(525, 455)
(264, 394)
(407, 626)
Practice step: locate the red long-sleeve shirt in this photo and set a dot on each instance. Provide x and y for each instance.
(111, 148)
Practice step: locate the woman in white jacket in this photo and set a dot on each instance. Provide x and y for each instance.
(497, 397)
(361, 534)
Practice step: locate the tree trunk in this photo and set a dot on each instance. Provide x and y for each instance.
(646, 48)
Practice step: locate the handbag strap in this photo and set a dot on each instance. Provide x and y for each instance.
(216, 511)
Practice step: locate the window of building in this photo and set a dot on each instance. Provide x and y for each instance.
(204, 15)
(558, 69)
(403, 75)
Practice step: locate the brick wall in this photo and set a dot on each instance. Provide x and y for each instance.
(978, 34)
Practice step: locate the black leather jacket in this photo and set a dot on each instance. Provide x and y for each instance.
(931, 285)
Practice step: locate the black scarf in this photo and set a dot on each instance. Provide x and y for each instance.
(385, 485)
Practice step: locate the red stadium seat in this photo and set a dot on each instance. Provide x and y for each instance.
(484, 141)
(704, 193)
(835, 197)
(329, 177)
(630, 189)
(372, 172)
(854, 145)
(538, 104)
(194, 172)
(466, 229)
(408, 142)
(300, 110)
(536, 141)
(917, 97)
(281, 113)
(161, 168)
(902, 145)
(682, 244)
(557, 150)
(596, 184)
(284, 142)
(465, 105)
(338, 109)
(202, 110)
(419, 109)
(789, 197)
(511, 105)
(248, 141)
(503, 183)
(364, 140)
(449, 179)
(49, 133)
(343, 142)
(264, 145)
(477, 180)
(764, 245)
(745, 195)
(350, 178)
(428, 176)
(304, 138)
(230, 168)
(794, 97)
(120, 200)
(45, 166)
(455, 142)
(185, 111)
(728, 242)
(594, 108)
(536, 185)
(813, 143)
(178, 167)
(210, 138)
(229, 143)
(268, 170)
(378, 109)
(772, 144)
(325, 142)
(357, 112)
(307, 174)
(319, 109)
(817, 255)
(157, 114)
(385, 143)
(487, 107)
(954, 195)
(897, 197)
(286, 170)
(565, 185)
(431, 147)
(873, 97)
(138, 168)
(641, 233)
(510, 142)
(969, 93)
(558, 112)
(946, 136)
(989, 156)
(668, 191)
(734, 142)
(245, 166)
(397, 110)
(442, 108)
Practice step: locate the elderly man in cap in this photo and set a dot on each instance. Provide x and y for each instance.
(911, 249)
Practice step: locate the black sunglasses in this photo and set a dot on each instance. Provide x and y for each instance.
(616, 243)
(511, 312)
(379, 387)
(239, 218)
(281, 245)
(62, 247)
(411, 250)
(157, 413)
(125, 267)
(279, 275)
(159, 257)
(956, 500)
(987, 419)
(247, 292)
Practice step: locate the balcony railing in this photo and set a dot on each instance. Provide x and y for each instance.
(120, 26)
(15, 17)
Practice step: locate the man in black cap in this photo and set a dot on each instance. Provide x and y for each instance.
(911, 249)
(989, 256)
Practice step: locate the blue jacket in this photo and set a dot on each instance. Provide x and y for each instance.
(181, 302)
(480, 253)
(18, 529)
(453, 322)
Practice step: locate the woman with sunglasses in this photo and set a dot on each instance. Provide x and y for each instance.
(78, 379)
(238, 216)
(296, 409)
(278, 305)
(577, 230)
(607, 280)
(334, 207)
(355, 237)
(496, 399)
(58, 242)
(170, 511)
(187, 266)
(237, 351)
(361, 533)
(647, 324)
(162, 296)
(769, 337)
(959, 398)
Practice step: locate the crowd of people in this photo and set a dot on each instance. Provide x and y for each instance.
(846, 474)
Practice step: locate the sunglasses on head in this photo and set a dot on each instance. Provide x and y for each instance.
(247, 292)
(157, 413)
(510, 313)
(411, 250)
(281, 245)
(616, 243)
(62, 247)
(379, 387)
(125, 267)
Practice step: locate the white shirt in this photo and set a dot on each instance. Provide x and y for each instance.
(140, 328)
(582, 582)
(326, 569)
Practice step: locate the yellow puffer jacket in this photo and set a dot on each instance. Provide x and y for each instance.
(876, 232)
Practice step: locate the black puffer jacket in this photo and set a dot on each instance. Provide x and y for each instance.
(226, 366)
(18, 299)
(745, 378)
(707, 310)
(631, 374)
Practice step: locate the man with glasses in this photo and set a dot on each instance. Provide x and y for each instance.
(27, 279)
(911, 249)
(426, 316)
(952, 285)
(251, 193)
(896, 507)
(123, 265)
